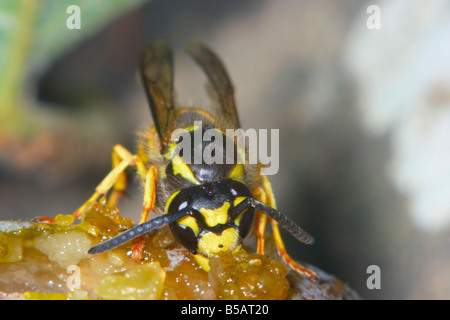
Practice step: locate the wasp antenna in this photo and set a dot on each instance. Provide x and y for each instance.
(248, 202)
(137, 231)
(286, 223)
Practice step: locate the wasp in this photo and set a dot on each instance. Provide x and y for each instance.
(209, 207)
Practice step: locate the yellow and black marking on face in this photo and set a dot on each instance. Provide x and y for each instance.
(216, 223)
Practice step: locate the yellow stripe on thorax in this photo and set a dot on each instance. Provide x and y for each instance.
(237, 172)
(170, 149)
(180, 167)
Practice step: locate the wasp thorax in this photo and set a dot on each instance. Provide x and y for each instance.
(220, 216)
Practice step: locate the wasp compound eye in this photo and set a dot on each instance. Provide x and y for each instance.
(185, 236)
(180, 202)
(245, 221)
(238, 189)
(243, 215)
(186, 230)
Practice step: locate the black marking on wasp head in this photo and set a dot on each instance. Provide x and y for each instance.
(216, 207)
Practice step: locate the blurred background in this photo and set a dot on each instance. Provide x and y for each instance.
(363, 113)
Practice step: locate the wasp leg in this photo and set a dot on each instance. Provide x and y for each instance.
(45, 219)
(260, 220)
(116, 179)
(121, 182)
(148, 205)
(277, 236)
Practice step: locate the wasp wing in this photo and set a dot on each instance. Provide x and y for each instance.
(156, 71)
(218, 78)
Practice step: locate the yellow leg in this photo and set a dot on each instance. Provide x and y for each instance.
(260, 221)
(121, 182)
(149, 192)
(148, 205)
(277, 236)
(116, 180)
(122, 159)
